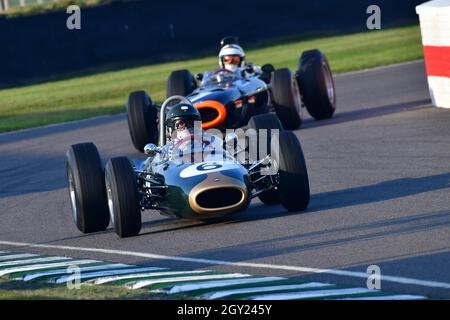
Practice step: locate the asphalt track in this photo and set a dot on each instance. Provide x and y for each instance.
(380, 182)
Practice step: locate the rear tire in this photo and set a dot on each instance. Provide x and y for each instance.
(87, 188)
(293, 184)
(180, 83)
(286, 98)
(267, 121)
(142, 117)
(123, 198)
(316, 84)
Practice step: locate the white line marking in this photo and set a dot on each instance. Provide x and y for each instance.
(104, 273)
(218, 284)
(347, 273)
(33, 276)
(392, 297)
(379, 68)
(142, 275)
(146, 283)
(226, 293)
(311, 294)
(45, 266)
(31, 261)
(17, 256)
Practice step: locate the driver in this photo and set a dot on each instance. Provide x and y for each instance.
(231, 57)
(180, 125)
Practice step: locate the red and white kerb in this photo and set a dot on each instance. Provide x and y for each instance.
(435, 28)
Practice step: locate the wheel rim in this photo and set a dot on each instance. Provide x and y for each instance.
(329, 83)
(110, 201)
(73, 195)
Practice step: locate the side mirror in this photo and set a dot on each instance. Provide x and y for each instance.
(268, 68)
(198, 76)
(151, 149)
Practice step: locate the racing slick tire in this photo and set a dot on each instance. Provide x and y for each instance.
(316, 84)
(267, 121)
(142, 119)
(293, 179)
(87, 188)
(286, 98)
(122, 196)
(180, 83)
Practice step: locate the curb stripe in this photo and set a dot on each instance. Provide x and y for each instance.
(104, 273)
(337, 272)
(390, 297)
(145, 283)
(17, 256)
(226, 293)
(44, 266)
(29, 277)
(143, 275)
(311, 294)
(32, 261)
(218, 284)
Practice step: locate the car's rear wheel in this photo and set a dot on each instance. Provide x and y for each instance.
(286, 98)
(316, 84)
(142, 119)
(180, 83)
(293, 179)
(123, 198)
(87, 188)
(270, 122)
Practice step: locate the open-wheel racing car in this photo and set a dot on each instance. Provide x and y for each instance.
(229, 98)
(195, 178)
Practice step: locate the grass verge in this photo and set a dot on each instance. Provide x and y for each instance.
(20, 290)
(106, 92)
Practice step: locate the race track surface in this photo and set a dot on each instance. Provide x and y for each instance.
(380, 182)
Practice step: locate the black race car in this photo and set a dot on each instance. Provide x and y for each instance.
(229, 99)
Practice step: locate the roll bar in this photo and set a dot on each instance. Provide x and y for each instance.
(162, 113)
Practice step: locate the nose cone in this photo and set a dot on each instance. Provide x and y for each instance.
(219, 194)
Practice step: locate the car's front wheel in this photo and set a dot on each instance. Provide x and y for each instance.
(293, 179)
(123, 198)
(86, 188)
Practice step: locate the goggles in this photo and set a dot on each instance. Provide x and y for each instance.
(232, 59)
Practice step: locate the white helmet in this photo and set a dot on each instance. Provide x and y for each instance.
(231, 57)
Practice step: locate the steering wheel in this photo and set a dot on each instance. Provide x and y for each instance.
(222, 70)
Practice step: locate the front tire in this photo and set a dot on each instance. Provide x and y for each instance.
(286, 98)
(123, 198)
(87, 188)
(270, 122)
(142, 119)
(316, 84)
(180, 83)
(293, 184)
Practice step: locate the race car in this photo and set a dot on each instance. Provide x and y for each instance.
(185, 179)
(229, 97)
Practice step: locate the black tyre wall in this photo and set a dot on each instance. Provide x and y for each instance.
(83, 163)
(311, 77)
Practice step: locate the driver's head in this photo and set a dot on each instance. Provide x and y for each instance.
(231, 57)
(180, 120)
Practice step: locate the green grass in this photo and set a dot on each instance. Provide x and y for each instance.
(106, 92)
(20, 290)
(16, 10)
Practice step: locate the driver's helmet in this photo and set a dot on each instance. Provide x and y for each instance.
(180, 120)
(231, 57)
